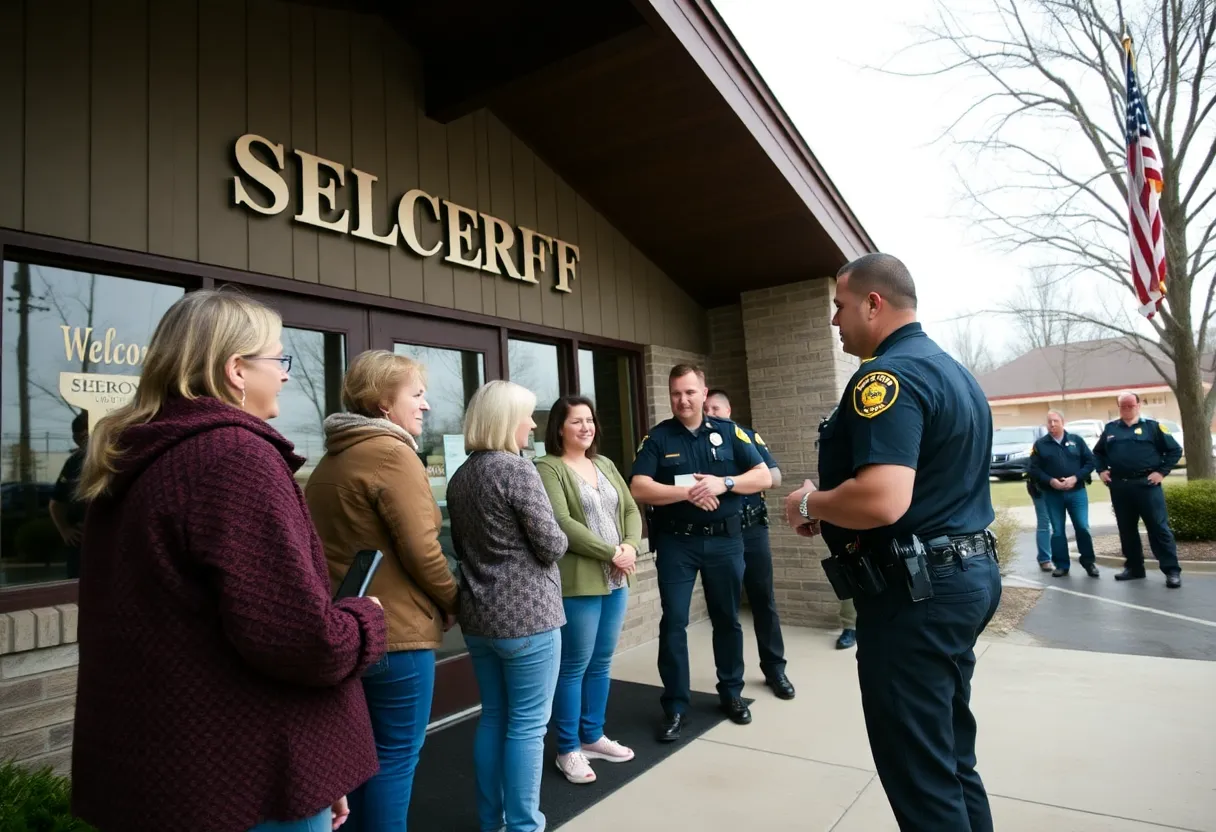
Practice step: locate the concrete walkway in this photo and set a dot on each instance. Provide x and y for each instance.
(1068, 740)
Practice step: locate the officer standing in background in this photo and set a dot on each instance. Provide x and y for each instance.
(848, 625)
(904, 507)
(1134, 455)
(692, 469)
(1060, 464)
(758, 562)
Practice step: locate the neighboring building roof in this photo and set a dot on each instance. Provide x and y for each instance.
(1085, 366)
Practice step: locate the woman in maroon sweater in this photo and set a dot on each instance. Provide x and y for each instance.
(219, 684)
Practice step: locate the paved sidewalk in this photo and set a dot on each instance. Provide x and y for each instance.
(1061, 747)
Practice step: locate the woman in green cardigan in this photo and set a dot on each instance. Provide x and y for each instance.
(604, 527)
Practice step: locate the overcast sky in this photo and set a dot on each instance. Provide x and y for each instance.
(876, 136)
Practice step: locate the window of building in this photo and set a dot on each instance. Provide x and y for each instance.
(74, 346)
(607, 378)
(318, 362)
(538, 367)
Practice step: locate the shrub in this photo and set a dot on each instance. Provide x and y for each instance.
(1192, 509)
(36, 801)
(1006, 529)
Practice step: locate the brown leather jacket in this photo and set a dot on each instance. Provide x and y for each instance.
(370, 491)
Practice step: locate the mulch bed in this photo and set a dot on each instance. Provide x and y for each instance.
(1108, 544)
(1016, 602)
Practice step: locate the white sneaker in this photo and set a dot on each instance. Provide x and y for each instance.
(608, 750)
(575, 767)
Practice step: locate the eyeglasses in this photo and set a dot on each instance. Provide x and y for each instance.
(284, 360)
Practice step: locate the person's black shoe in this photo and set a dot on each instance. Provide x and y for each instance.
(1060, 573)
(669, 731)
(1090, 569)
(848, 638)
(737, 710)
(1128, 575)
(1173, 580)
(782, 687)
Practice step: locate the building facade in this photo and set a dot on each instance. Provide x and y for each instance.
(572, 196)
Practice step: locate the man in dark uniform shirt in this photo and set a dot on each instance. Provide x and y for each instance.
(1060, 465)
(692, 469)
(758, 563)
(1134, 455)
(904, 507)
(67, 511)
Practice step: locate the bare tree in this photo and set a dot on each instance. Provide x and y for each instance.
(1051, 150)
(969, 347)
(1041, 315)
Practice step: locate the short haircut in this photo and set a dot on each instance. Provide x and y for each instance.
(681, 370)
(81, 423)
(557, 420)
(494, 413)
(1056, 413)
(376, 377)
(1119, 398)
(719, 393)
(883, 274)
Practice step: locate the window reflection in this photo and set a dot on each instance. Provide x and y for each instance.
(314, 391)
(607, 379)
(74, 343)
(537, 367)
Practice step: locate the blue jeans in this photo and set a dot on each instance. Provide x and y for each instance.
(1076, 503)
(915, 662)
(593, 624)
(516, 678)
(398, 689)
(321, 822)
(1042, 531)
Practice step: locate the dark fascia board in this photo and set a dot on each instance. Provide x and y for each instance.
(704, 35)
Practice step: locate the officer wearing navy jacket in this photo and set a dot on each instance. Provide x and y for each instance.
(1060, 464)
(758, 563)
(1134, 455)
(904, 507)
(692, 470)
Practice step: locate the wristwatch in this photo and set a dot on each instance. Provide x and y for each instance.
(802, 508)
(730, 484)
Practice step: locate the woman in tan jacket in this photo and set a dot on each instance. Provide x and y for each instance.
(370, 491)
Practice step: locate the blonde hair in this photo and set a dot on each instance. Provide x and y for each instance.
(186, 357)
(494, 413)
(376, 376)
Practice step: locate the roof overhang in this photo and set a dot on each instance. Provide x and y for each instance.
(651, 111)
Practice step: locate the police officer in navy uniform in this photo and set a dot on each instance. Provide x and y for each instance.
(1134, 455)
(693, 470)
(758, 562)
(904, 507)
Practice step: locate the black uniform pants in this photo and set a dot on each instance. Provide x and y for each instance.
(758, 584)
(914, 663)
(678, 559)
(1134, 500)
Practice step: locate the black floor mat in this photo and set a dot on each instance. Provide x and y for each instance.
(445, 795)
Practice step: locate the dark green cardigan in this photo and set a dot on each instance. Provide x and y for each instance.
(582, 566)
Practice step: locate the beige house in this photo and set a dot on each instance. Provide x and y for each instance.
(1080, 380)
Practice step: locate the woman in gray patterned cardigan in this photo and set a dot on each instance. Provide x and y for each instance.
(507, 542)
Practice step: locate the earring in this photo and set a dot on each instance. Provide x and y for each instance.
(386, 414)
(242, 398)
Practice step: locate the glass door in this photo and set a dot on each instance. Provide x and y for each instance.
(458, 358)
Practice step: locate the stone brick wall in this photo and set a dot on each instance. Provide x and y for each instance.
(728, 359)
(38, 662)
(796, 372)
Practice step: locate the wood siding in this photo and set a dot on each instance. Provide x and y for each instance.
(117, 126)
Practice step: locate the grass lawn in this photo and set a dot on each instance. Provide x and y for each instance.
(1011, 493)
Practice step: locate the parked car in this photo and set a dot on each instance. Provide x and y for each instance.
(1011, 451)
(1088, 429)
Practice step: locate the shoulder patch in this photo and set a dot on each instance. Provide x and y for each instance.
(759, 441)
(1164, 429)
(642, 443)
(875, 393)
(741, 435)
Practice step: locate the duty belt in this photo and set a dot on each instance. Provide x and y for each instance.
(720, 528)
(1138, 475)
(755, 516)
(944, 549)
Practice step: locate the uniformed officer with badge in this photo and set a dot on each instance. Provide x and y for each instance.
(1134, 455)
(758, 562)
(904, 507)
(692, 470)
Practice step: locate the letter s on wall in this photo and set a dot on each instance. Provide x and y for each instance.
(260, 172)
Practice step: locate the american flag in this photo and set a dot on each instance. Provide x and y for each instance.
(1144, 184)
